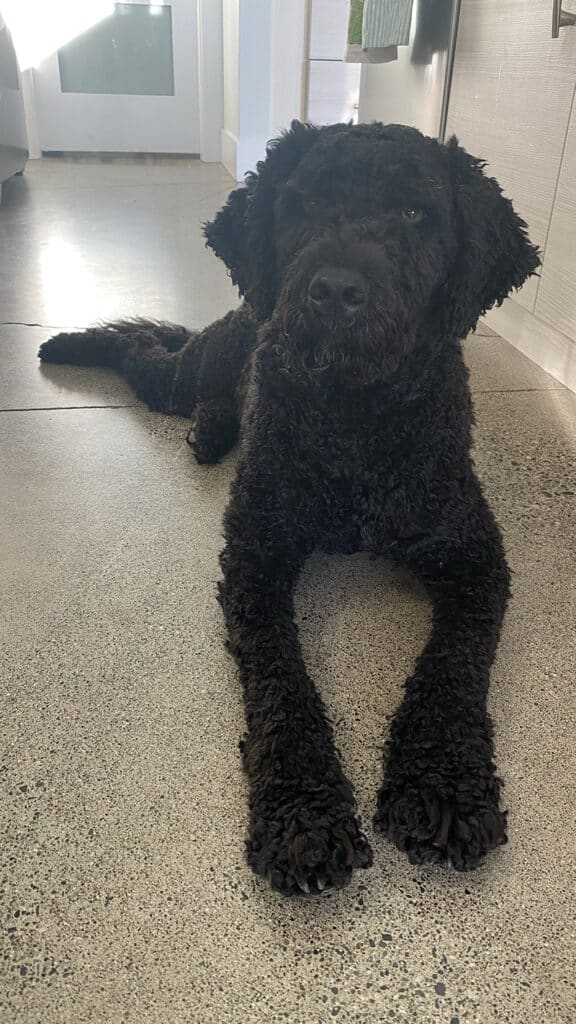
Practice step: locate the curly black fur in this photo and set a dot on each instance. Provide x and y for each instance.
(185, 373)
(364, 254)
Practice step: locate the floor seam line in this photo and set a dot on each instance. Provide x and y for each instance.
(515, 391)
(68, 408)
(22, 323)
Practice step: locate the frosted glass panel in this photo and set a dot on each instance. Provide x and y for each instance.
(129, 52)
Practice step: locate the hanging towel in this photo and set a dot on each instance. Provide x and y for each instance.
(382, 16)
(386, 23)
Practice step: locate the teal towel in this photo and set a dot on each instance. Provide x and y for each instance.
(386, 23)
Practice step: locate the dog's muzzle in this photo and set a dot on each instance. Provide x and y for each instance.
(337, 293)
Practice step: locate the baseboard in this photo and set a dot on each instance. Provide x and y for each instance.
(542, 343)
(228, 146)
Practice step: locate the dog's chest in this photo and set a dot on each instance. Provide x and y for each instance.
(355, 436)
(362, 464)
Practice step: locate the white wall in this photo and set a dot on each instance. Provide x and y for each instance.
(254, 59)
(210, 80)
(230, 35)
(230, 16)
(287, 47)
(263, 52)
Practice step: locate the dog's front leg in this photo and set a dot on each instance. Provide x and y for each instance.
(304, 835)
(440, 795)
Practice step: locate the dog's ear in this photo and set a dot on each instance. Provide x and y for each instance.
(226, 235)
(242, 233)
(494, 254)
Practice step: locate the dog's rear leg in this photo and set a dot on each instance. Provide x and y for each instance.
(106, 344)
(172, 369)
(146, 352)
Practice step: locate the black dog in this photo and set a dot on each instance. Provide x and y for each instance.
(365, 254)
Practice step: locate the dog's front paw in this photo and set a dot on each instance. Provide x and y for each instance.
(433, 820)
(306, 846)
(213, 433)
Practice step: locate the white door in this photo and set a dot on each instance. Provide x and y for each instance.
(129, 84)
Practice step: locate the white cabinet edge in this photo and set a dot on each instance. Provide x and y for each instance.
(542, 343)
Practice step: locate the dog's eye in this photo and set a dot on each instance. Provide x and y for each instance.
(412, 215)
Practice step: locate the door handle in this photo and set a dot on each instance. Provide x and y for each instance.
(560, 18)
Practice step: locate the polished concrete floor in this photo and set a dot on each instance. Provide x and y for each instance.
(124, 892)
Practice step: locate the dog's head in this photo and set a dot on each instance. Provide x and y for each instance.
(357, 233)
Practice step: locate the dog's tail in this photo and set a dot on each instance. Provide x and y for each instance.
(158, 359)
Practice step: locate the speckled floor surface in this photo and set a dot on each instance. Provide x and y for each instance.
(124, 893)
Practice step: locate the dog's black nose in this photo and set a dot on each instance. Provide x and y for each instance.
(337, 291)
